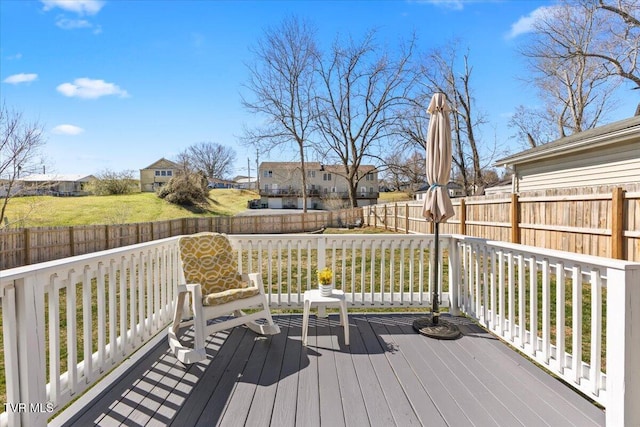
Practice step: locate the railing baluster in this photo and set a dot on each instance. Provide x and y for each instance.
(596, 331)
(576, 311)
(546, 311)
(511, 295)
(494, 265)
(485, 286)
(87, 328)
(560, 318)
(533, 306)
(522, 305)
(501, 324)
(72, 332)
(112, 311)
(54, 338)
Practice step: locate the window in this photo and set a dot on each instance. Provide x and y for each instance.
(169, 173)
(311, 174)
(267, 174)
(326, 177)
(157, 173)
(369, 177)
(163, 173)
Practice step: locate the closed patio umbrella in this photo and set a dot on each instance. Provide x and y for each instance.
(437, 205)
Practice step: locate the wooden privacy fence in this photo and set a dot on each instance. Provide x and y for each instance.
(24, 246)
(603, 224)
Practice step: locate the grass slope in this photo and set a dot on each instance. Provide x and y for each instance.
(47, 211)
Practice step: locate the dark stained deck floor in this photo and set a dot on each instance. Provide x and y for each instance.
(388, 376)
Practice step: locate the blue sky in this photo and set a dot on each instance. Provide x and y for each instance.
(119, 84)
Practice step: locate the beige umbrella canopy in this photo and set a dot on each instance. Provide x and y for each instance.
(437, 204)
(437, 207)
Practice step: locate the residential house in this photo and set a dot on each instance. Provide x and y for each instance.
(453, 188)
(604, 156)
(281, 185)
(220, 183)
(53, 184)
(157, 174)
(245, 182)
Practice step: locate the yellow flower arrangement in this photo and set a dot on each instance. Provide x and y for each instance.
(324, 276)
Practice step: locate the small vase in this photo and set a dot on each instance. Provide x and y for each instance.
(326, 290)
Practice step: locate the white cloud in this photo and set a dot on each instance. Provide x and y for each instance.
(90, 89)
(72, 24)
(15, 57)
(67, 130)
(81, 7)
(448, 4)
(21, 78)
(526, 23)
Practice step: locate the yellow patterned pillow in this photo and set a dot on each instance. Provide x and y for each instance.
(208, 259)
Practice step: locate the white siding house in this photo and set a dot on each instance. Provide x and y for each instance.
(604, 156)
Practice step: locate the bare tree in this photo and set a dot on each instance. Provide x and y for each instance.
(406, 171)
(617, 42)
(575, 88)
(20, 142)
(282, 83)
(363, 90)
(210, 158)
(532, 126)
(445, 71)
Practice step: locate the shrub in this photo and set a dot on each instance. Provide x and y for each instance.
(188, 189)
(113, 183)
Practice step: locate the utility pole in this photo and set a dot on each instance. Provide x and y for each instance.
(257, 170)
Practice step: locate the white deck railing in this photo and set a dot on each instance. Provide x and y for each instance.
(67, 323)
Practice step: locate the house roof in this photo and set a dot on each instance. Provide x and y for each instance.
(53, 177)
(612, 133)
(162, 163)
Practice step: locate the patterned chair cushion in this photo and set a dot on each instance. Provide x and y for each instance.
(208, 259)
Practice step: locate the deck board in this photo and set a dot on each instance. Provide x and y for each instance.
(388, 376)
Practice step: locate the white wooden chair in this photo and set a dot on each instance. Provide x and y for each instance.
(216, 289)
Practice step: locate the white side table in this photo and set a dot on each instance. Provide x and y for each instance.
(313, 297)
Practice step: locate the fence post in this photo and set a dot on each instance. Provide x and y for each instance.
(617, 223)
(72, 245)
(463, 217)
(515, 219)
(27, 246)
(406, 218)
(385, 217)
(106, 236)
(623, 346)
(375, 216)
(395, 217)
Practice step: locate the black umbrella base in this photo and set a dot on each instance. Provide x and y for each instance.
(441, 331)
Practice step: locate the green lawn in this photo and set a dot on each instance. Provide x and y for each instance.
(394, 196)
(48, 211)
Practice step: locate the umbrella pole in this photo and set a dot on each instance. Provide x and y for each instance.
(435, 308)
(431, 325)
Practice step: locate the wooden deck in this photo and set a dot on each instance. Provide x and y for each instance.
(388, 376)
